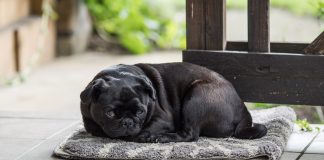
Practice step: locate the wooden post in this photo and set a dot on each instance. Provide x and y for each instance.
(73, 27)
(195, 13)
(215, 24)
(317, 46)
(258, 25)
(36, 7)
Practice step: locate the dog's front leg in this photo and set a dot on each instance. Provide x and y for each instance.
(186, 135)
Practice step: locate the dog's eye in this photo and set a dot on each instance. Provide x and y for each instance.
(139, 112)
(110, 114)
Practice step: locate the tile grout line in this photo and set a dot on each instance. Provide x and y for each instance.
(51, 136)
(40, 139)
(13, 117)
(304, 150)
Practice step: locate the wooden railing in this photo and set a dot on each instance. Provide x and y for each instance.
(260, 70)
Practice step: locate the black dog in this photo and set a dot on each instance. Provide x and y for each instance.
(171, 102)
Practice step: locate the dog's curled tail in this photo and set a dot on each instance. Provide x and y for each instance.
(248, 130)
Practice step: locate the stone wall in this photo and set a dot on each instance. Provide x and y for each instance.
(26, 41)
(29, 39)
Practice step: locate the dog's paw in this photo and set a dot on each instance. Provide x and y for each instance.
(145, 137)
(162, 138)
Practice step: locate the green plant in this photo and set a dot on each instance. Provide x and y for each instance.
(260, 105)
(319, 4)
(137, 26)
(304, 125)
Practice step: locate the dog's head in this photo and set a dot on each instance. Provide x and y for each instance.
(119, 104)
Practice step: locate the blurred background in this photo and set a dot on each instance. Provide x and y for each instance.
(50, 49)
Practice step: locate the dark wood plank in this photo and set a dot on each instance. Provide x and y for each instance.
(288, 47)
(317, 46)
(215, 24)
(36, 7)
(237, 46)
(296, 48)
(195, 16)
(269, 78)
(258, 25)
(16, 51)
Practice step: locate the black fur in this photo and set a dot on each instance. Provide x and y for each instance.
(172, 102)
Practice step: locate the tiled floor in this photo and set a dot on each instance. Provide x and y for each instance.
(37, 115)
(299, 140)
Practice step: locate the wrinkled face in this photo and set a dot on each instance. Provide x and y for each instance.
(120, 105)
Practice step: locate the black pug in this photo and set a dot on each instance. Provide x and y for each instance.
(171, 102)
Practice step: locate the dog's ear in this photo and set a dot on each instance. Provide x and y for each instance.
(89, 94)
(85, 97)
(93, 90)
(147, 85)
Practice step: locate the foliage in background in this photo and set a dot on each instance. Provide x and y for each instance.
(305, 126)
(320, 8)
(137, 25)
(140, 25)
(260, 105)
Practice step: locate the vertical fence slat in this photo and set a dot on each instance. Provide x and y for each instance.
(215, 24)
(195, 13)
(258, 25)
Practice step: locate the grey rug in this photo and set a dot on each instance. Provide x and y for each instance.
(279, 121)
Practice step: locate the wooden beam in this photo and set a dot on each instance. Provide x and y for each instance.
(296, 48)
(269, 78)
(317, 46)
(279, 47)
(215, 24)
(195, 16)
(258, 25)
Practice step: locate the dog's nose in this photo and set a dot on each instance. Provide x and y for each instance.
(127, 122)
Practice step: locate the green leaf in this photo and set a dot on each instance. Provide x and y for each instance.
(304, 125)
(138, 24)
(135, 42)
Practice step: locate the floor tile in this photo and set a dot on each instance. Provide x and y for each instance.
(10, 148)
(65, 114)
(31, 128)
(45, 150)
(312, 157)
(299, 140)
(289, 156)
(318, 145)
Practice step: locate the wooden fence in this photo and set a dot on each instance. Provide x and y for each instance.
(260, 70)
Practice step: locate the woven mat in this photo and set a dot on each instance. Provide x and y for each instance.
(279, 121)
